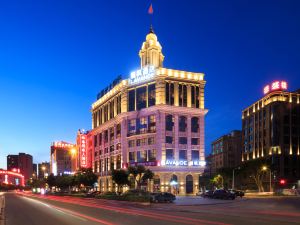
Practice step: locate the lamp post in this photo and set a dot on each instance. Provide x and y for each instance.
(44, 169)
(264, 168)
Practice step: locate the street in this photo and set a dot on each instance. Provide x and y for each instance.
(28, 209)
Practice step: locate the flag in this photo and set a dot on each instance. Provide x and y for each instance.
(150, 10)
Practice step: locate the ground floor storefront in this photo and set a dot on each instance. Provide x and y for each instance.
(177, 183)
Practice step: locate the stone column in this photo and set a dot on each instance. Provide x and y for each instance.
(201, 97)
(189, 96)
(176, 94)
(160, 91)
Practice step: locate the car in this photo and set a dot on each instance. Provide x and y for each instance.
(199, 193)
(208, 194)
(237, 193)
(223, 194)
(162, 197)
(92, 194)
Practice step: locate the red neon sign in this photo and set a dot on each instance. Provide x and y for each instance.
(83, 155)
(275, 86)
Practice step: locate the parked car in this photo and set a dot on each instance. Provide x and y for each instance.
(208, 194)
(237, 193)
(162, 197)
(199, 193)
(92, 194)
(223, 194)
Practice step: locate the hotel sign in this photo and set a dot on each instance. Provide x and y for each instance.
(275, 86)
(183, 163)
(142, 75)
(83, 156)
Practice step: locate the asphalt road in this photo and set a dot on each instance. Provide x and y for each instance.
(27, 209)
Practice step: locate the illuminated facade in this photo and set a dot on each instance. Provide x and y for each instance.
(84, 149)
(62, 158)
(12, 177)
(154, 118)
(271, 130)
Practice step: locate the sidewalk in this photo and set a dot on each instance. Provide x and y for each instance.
(2, 205)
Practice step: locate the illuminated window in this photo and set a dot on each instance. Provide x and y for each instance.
(142, 125)
(131, 143)
(151, 141)
(152, 155)
(151, 123)
(131, 127)
(142, 156)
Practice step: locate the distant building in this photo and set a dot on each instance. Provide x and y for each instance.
(23, 162)
(271, 130)
(62, 158)
(43, 169)
(35, 169)
(226, 151)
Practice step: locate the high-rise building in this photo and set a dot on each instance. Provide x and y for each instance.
(21, 162)
(226, 151)
(271, 130)
(62, 158)
(154, 118)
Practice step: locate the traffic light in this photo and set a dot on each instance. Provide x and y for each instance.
(282, 181)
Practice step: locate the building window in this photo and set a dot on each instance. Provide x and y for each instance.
(170, 154)
(195, 141)
(182, 140)
(182, 95)
(111, 133)
(169, 94)
(119, 162)
(169, 123)
(131, 156)
(105, 136)
(118, 130)
(111, 109)
(142, 156)
(141, 98)
(151, 141)
(131, 143)
(142, 125)
(152, 155)
(151, 95)
(131, 126)
(182, 155)
(131, 100)
(195, 124)
(152, 123)
(112, 148)
(195, 96)
(195, 155)
(169, 139)
(119, 104)
(182, 123)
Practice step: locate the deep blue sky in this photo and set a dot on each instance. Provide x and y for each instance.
(56, 55)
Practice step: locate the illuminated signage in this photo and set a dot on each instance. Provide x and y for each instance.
(183, 163)
(141, 75)
(275, 86)
(154, 163)
(83, 156)
(63, 144)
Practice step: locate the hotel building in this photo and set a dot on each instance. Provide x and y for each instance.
(271, 130)
(63, 158)
(154, 118)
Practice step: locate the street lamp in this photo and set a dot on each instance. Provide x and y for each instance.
(264, 168)
(73, 151)
(44, 168)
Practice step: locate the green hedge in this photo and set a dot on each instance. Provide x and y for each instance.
(131, 197)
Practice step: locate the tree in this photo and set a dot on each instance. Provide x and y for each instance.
(86, 177)
(120, 177)
(253, 169)
(140, 174)
(63, 182)
(51, 180)
(218, 181)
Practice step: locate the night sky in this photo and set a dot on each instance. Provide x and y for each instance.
(55, 56)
